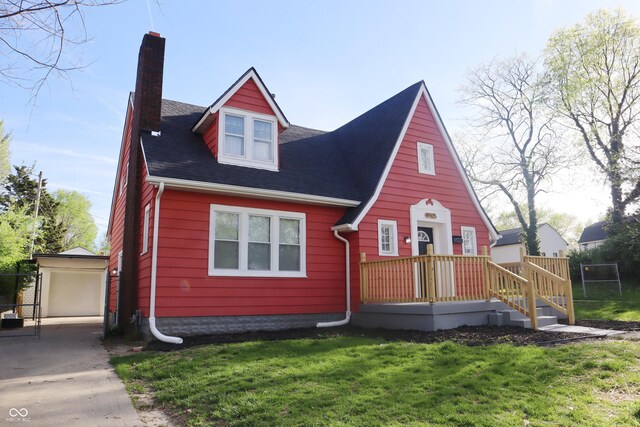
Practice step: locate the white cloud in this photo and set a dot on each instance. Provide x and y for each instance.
(39, 148)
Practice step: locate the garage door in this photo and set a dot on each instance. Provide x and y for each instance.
(74, 294)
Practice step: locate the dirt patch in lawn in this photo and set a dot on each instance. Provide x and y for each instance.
(465, 335)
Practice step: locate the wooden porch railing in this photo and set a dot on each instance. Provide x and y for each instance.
(552, 281)
(445, 278)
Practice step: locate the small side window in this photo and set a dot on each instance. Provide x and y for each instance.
(469, 241)
(387, 238)
(426, 163)
(145, 230)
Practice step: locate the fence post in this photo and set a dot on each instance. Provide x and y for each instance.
(431, 274)
(568, 289)
(364, 295)
(531, 289)
(486, 279)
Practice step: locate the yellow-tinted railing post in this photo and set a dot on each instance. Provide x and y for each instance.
(531, 289)
(431, 276)
(363, 278)
(568, 289)
(486, 277)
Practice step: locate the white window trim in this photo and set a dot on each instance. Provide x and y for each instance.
(243, 239)
(474, 248)
(246, 160)
(393, 237)
(145, 230)
(429, 148)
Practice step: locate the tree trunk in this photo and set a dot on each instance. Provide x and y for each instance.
(531, 232)
(615, 178)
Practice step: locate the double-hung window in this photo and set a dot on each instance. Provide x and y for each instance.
(145, 230)
(256, 242)
(469, 242)
(426, 162)
(248, 139)
(387, 238)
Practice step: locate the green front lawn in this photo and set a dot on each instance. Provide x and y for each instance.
(368, 382)
(603, 301)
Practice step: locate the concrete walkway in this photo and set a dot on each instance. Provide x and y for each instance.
(581, 330)
(62, 379)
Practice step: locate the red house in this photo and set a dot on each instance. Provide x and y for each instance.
(229, 218)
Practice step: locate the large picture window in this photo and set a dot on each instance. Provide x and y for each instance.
(248, 139)
(256, 242)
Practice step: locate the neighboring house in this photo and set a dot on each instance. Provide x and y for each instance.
(228, 217)
(593, 236)
(507, 248)
(73, 283)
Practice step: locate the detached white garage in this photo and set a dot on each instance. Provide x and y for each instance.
(73, 283)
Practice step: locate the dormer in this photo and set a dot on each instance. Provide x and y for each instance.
(242, 127)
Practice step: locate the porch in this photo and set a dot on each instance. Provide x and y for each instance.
(431, 292)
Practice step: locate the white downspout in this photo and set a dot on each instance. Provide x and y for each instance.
(347, 317)
(154, 267)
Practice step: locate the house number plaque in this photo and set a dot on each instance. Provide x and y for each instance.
(430, 215)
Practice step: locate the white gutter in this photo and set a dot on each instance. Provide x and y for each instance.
(154, 267)
(347, 317)
(344, 227)
(236, 190)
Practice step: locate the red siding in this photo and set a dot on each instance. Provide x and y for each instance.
(116, 229)
(405, 187)
(249, 97)
(184, 287)
(148, 193)
(211, 135)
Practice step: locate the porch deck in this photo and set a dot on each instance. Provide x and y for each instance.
(445, 291)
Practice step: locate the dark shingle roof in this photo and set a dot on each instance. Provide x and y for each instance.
(509, 237)
(346, 163)
(594, 232)
(294, 133)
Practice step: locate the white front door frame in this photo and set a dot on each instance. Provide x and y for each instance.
(430, 213)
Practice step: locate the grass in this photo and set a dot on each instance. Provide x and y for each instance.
(366, 381)
(604, 302)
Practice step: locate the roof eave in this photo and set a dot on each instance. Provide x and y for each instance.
(251, 192)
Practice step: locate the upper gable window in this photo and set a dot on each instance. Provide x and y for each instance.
(426, 163)
(248, 139)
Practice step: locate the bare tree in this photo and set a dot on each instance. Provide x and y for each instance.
(516, 151)
(595, 71)
(37, 38)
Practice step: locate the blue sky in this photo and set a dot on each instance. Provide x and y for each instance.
(326, 61)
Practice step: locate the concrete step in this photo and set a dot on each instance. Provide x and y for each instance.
(521, 323)
(515, 318)
(547, 320)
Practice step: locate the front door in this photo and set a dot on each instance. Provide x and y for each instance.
(425, 237)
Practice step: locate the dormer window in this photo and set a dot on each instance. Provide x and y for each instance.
(248, 139)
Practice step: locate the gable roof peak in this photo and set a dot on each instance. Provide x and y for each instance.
(207, 117)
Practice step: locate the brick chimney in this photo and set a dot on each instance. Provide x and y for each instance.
(148, 95)
(146, 118)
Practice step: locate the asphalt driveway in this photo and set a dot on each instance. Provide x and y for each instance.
(62, 379)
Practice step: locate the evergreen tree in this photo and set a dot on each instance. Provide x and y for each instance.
(21, 192)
